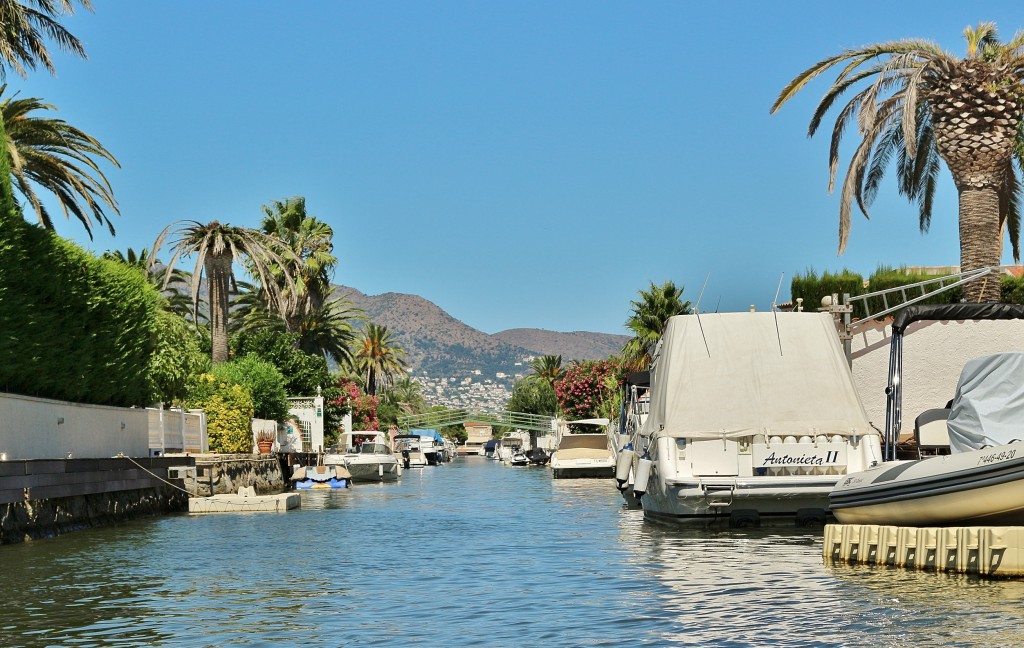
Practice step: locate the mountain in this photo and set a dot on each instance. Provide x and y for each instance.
(438, 345)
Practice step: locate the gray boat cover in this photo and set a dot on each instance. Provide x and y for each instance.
(728, 375)
(988, 409)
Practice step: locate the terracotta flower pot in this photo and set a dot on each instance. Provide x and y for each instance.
(264, 446)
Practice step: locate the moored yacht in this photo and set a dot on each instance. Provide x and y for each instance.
(371, 459)
(583, 454)
(753, 419)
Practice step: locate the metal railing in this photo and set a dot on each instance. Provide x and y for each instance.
(519, 420)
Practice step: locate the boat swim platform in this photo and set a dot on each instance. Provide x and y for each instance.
(245, 501)
(992, 551)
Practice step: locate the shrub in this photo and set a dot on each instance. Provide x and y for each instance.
(178, 356)
(591, 389)
(229, 413)
(813, 288)
(263, 382)
(303, 372)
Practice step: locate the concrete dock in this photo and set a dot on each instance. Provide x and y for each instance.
(995, 551)
(245, 501)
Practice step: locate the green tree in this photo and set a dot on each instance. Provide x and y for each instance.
(647, 323)
(310, 262)
(533, 395)
(263, 382)
(378, 357)
(26, 26)
(549, 368)
(922, 105)
(303, 372)
(216, 248)
(59, 158)
(177, 300)
(177, 357)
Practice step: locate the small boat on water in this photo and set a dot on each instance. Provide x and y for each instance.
(408, 447)
(370, 459)
(753, 420)
(981, 479)
(325, 476)
(583, 454)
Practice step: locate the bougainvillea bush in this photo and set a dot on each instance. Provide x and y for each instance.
(345, 397)
(591, 389)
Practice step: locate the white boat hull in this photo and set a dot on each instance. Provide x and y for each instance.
(981, 487)
(370, 471)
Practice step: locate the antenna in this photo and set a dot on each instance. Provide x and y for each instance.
(696, 308)
(775, 313)
(719, 303)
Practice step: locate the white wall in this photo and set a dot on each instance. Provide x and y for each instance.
(933, 355)
(37, 428)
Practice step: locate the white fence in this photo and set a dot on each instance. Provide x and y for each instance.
(175, 430)
(309, 412)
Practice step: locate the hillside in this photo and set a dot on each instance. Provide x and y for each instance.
(439, 345)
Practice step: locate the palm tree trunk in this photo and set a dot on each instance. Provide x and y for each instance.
(979, 237)
(218, 274)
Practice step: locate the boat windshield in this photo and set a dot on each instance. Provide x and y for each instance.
(371, 447)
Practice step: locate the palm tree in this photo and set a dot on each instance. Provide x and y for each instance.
(548, 368)
(24, 27)
(216, 248)
(378, 358)
(60, 158)
(650, 316)
(327, 331)
(923, 105)
(311, 260)
(407, 395)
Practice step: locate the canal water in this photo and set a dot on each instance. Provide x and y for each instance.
(475, 554)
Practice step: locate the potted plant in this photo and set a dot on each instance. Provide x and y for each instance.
(265, 440)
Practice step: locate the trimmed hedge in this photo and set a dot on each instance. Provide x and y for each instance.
(812, 288)
(72, 326)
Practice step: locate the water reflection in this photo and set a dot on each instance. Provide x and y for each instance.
(475, 554)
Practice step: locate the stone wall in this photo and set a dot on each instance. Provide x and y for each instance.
(225, 474)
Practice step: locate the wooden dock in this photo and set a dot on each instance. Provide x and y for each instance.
(995, 551)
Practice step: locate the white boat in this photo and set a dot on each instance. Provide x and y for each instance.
(370, 459)
(631, 445)
(753, 419)
(408, 447)
(981, 480)
(583, 454)
(507, 447)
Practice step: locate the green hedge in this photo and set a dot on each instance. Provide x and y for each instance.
(812, 288)
(72, 326)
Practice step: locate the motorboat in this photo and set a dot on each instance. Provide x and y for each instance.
(970, 465)
(753, 419)
(322, 476)
(432, 445)
(408, 447)
(370, 459)
(583, 454)
(508, 446)
(490, 449)
(631, 445)
(538, 457)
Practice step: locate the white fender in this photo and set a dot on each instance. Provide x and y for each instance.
(622, 465)
(643, 475)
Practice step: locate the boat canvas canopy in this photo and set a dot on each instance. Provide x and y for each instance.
(729, 375)
(989, 404)
(433, 434)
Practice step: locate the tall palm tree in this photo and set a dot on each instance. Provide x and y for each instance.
(650, 316)
(549, 368)
(923, 105)
(25, 25)
(407, 395)
(311, 260)
(216, 247)
(59, 158)
(378, 358)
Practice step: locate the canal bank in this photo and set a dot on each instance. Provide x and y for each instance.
(47, 497)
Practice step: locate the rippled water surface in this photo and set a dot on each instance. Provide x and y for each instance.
(475, 554)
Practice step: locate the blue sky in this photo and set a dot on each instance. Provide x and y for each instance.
(520, 164)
